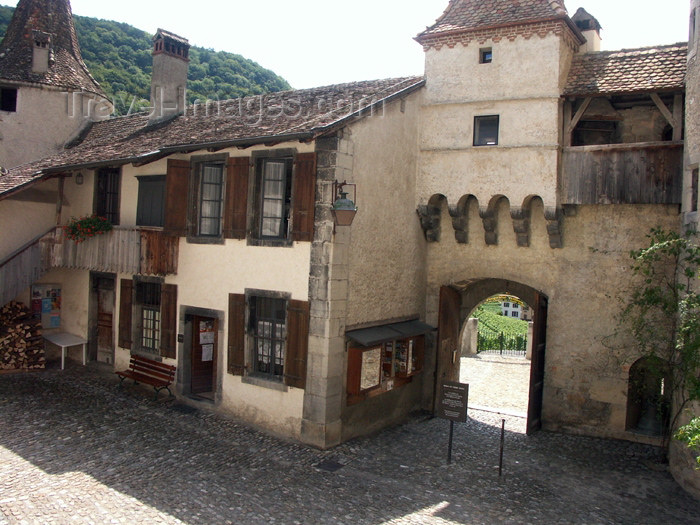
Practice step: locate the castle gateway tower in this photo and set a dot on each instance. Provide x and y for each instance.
(47, 94)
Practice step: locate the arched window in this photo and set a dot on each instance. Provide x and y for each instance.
(648, 397)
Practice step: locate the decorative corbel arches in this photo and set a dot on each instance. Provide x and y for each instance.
(430, 216)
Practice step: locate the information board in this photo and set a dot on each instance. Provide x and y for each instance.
(452, 403)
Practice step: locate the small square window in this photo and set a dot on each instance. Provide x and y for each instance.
(485, 55)
(486, 130)
(8, 99)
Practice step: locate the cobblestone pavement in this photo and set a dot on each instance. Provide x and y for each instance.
(75, 449)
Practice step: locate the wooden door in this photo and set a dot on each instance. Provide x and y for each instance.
(105, 317)
(534, 409)
(448, 336)
(204, 345)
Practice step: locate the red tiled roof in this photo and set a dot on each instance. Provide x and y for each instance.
(17, 47)
(466, 15)
(643, 70)
(288, 115)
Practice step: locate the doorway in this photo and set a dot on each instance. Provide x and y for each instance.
(458, 300)
(102, 301)
(203, 354)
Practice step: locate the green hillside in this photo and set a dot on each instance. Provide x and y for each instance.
(119, 57)
(490, 318)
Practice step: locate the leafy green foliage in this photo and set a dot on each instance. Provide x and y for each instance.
(690, 435)
(662, 312)
(118, 55)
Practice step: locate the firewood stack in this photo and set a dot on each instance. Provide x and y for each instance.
(21, 344)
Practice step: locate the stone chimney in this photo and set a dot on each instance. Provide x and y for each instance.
(42, 56)
(590, 28)
(169, 78)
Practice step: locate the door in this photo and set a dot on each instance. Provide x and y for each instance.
(539, 332)
(105, 317)
(204, 345)
(448, 336)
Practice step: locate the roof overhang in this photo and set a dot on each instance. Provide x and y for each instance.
(389, 332)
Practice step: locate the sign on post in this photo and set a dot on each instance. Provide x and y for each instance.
(452, 405)
(453, 400)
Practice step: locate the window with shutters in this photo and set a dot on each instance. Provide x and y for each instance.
(150, 208)
(283, 197)
(268, 336)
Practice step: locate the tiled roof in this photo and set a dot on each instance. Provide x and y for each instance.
(466, 15)
(17, 48)
(289, 115)
(644, 70)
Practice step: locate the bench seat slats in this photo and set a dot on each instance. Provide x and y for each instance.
(144, 370)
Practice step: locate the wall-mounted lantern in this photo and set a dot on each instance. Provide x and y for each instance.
(79, 178)
(344, 209)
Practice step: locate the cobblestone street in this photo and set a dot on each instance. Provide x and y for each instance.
(75, 449)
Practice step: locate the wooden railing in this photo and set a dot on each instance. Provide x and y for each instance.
(640, 173)
(132, 251)
(124, 250)
(22, 268)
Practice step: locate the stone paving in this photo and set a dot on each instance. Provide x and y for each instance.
(75, 449)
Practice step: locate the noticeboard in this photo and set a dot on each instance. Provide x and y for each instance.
(453, 400)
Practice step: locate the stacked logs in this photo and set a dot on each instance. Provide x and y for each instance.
(21, 344)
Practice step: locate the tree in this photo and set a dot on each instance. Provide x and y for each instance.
(661, 315)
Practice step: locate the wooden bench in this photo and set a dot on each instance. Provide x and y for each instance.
(147, 371)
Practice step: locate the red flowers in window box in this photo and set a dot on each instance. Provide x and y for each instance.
(81, 229)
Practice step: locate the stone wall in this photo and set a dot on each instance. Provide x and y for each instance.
(585, 380)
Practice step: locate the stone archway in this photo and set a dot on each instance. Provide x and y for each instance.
(465, 296)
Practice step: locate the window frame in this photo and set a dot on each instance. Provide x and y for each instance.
(256, 203)
(198, 163)
(480, 120)
(141, 307)
(254, 301)
(107, 201)
(485, 55)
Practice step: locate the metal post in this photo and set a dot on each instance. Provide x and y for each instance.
(500, 461)
(449, 446)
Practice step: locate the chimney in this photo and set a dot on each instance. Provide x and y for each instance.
(590, 28)
(42, 56)
(169, 77)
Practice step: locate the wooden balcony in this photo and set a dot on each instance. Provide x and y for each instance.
(640, 173)
(133, 251)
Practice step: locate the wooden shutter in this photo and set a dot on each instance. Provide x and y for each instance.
(236, 212)
(304, 197)
(125, 301)
(168, 320)
(297, 344)
(176, 186)
(236, 334)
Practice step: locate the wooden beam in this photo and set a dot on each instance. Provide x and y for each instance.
(664, 111)
(565, 124)
(59, 201)
(577, 117)
(678, 116)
